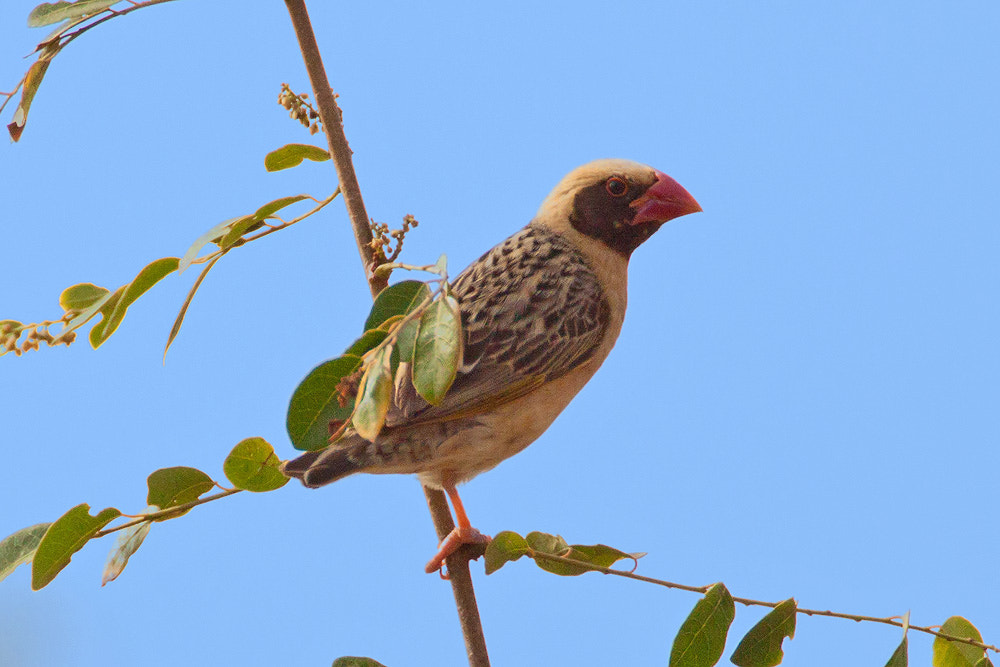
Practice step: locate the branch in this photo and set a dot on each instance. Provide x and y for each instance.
(333, 127)
(759, 603)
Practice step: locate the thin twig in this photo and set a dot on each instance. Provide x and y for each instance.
(331, 118)
(170, 511)
(760, 603)
(114, 13)
(333, 127)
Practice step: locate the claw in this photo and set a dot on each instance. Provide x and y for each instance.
(456, 539)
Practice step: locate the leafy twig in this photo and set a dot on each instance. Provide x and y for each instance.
(170, 511)
(895, 621)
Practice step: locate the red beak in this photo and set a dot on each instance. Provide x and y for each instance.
(663, 201)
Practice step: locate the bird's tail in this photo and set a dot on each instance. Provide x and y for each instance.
(325, 466)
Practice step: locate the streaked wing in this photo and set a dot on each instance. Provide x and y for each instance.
(532, 310)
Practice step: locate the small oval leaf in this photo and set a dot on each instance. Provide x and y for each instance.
(316, 402)
(702, 637)
(63, 539)
(437, 353)
(82, 296)
(292, 155)
(761, 646)
(20, 548)
(253, 466)
(505, 548)
(170, 487)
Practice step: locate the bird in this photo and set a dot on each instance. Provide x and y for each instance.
(540, 313)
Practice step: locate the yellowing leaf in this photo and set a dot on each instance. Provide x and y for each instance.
(949, 653)
(32, 80)
(374, 395)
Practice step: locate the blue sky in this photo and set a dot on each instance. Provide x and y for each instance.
(803, 401)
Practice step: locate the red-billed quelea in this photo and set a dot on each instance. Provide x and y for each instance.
(540, 313)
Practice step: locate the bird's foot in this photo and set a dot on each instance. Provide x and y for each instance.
(457, 538)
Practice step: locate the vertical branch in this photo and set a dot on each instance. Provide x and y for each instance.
(333, 126)
(330, 115)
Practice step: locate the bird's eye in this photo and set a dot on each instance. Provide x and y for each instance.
(616, 186)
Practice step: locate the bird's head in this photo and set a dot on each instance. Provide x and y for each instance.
(618, 202)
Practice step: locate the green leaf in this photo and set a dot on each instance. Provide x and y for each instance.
(369, 340)
(82, 296)
(151, 274)
(247, 223)
(761, 646)
(48, 13)
(270, 208)
(900, 657)
(599, 555)
(20, 548)
(438, 351)
(956, 654)
(397, 299)
(315, 403)
(406, 339)
(351, 661)
(179, 320)
(63, 539)
(169, 487)
(374, 395)
(252, 466)
(702, 637)
(546, 543)
(127, 543)
(505, 548)
(292, 155)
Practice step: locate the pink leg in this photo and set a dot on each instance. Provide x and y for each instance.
(463, 533)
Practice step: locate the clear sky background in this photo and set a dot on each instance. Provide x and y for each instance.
(803, 402)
